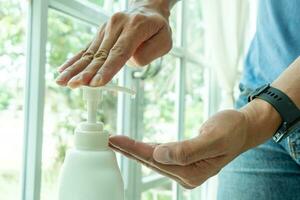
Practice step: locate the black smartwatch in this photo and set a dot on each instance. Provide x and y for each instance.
(289, 112)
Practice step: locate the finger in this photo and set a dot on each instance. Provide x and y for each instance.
(120, 53)
(71, 61)
(144, 152)
(80, 64)
(149, 51)
(151, 167)
(189, 151)
(111, 35)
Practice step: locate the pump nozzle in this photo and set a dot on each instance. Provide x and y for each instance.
(93, 96)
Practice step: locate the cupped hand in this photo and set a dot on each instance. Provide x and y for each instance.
(191, 162)
(141, 34)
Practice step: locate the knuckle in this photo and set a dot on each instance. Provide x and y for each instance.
(117, 17)
(88, 56)
(138, 20)
(138, 17)
(83, 51)
(101, 55)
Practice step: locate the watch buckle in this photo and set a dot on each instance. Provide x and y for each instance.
(281, 132)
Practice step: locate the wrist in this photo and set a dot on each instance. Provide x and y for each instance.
(262, 121)
(162, 6)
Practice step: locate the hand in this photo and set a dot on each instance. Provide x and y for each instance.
(141, 34)
(193, 161)
(222, 138)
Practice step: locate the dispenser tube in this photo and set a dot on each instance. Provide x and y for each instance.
(92, 111)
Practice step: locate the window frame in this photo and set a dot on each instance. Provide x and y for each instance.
(129, 110)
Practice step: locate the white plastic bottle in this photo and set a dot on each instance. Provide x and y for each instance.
(90, 170)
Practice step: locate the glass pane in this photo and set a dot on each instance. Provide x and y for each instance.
(195, 92)
(175, 20)
(163, 192)
(194, 32)
(159, 105)
(64, 108)
(194, 194)
(12, 69)
(107, 5)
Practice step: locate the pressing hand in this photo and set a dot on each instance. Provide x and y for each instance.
(140, 34)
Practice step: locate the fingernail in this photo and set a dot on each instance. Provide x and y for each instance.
(74, 83)
(162, 155)
(75, 79)
(96, 81)
(61, 79)
(60, 69)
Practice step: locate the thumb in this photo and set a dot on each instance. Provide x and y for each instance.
(185, 152)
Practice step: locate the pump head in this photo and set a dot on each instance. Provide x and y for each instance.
(93, 95)
(90, 134)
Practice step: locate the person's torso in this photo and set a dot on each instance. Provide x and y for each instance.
(276, 42)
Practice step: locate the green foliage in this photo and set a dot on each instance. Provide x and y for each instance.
(5, 97)
(12, 53)
(13, 32)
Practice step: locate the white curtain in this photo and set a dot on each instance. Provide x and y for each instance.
(225, 26)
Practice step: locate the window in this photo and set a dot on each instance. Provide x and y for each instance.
(63, 107)
(180, 110)
(59, 28)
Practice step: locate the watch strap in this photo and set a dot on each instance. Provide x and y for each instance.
(282, 103)
(288, 111)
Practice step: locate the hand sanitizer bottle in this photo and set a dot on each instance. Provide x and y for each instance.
(90, 170)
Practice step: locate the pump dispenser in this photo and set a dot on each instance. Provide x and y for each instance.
(90, 170)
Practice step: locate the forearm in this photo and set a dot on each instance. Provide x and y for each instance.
(289, 82)
(262, 118)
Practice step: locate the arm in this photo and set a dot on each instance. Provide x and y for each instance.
(259, 110)
(141, 34)
(221, 138)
